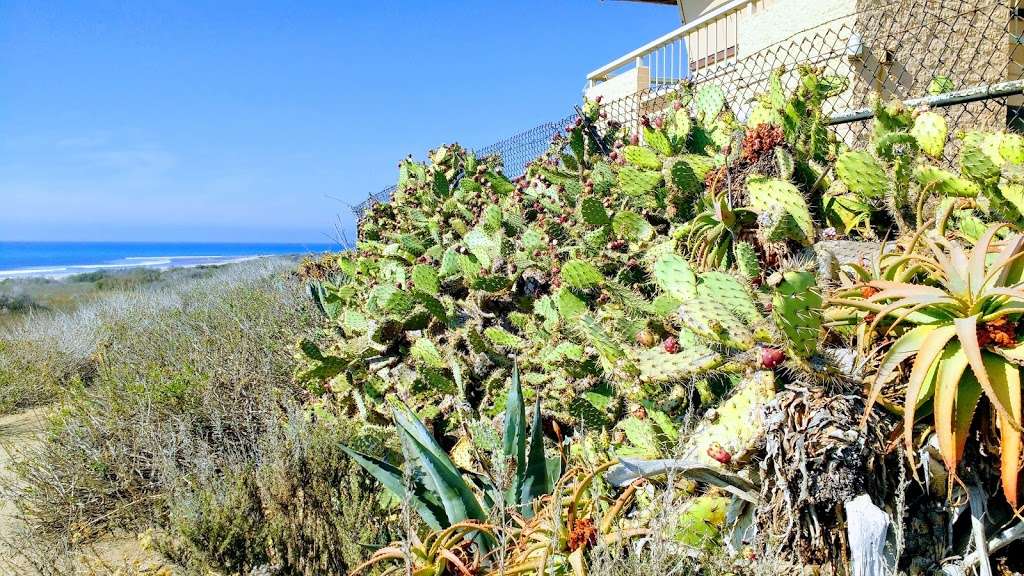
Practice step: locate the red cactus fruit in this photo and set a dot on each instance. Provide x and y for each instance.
(771, 357)
(671, 345)
(719, 454)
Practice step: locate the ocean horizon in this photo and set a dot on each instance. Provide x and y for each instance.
(62, 259)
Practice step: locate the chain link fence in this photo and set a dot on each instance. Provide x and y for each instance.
(963, 57)
(516, 153)
(968, 50)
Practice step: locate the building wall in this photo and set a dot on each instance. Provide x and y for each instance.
(910, 42)
(768, 22)
(693, 9)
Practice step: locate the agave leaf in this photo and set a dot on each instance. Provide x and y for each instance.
(966, 402)
(1017, 293)
(629, 469)
(976, 270)
(1010, 254)
(1014, 355)
(913, 305)
(1006, 381)
(406, 420)
(515, 422)
(459, 502)
(967, 332)
(929, 352)
(427, 506)
(947, 400)
(535, 477)
(958, 274)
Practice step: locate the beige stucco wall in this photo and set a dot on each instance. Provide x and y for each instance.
(770, 21)
(911, 41)
(626, 84)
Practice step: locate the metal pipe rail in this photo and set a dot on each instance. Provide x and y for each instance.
(965, 96)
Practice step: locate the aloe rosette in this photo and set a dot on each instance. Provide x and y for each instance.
(961, 313)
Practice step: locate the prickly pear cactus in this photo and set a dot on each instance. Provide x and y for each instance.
(658, 366)
(675, 277)
(862, 174)
(747, 262)
(796, 309)
(736, 423)
(712, 319)
(931, 132)
(768, 193)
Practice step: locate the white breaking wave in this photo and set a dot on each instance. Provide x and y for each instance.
(158, 262)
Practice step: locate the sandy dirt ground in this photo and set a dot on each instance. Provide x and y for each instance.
(111, 556)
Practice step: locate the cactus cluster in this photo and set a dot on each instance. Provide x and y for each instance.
(686, 265)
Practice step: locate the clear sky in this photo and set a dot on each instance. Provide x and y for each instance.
(250, 120)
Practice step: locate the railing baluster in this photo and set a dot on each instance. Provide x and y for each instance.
(702, 46)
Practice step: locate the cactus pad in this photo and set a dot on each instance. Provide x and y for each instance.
(632, 226)
(862, 174)
(796, 309)
(659, 140)
(944, 183)
(931, 132)
(675, 277)
(593, 212)
(581, 275)
(1011, 148)
(747, 261)
(638, 182)
(658, 366)
(642, 157)
(710, 101)
(739, 422)
(784, 163)
(766, 193)
(980, 159)
(731, 292)
(425, 279)
(711, 319)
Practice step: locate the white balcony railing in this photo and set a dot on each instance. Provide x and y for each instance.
(708, 41)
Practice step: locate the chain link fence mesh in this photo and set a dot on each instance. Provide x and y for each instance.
(890, 50)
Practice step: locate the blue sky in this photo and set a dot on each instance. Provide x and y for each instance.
(245, 121)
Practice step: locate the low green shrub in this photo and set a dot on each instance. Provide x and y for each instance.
(306, 509)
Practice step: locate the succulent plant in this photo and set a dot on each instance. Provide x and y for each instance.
(960, 314)
(442, 495)
(694, 264)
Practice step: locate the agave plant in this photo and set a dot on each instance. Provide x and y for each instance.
(954, 308)
(442, 495)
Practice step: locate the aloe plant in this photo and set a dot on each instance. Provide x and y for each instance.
(960, 312)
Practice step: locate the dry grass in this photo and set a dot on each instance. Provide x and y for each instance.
(175, 410)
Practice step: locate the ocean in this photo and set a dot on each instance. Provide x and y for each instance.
(60, 259)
